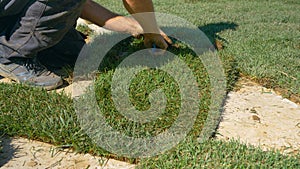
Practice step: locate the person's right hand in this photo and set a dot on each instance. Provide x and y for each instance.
(160, 40)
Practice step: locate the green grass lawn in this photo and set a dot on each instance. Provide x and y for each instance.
(262, 36)
(219, 154)
(261, 40)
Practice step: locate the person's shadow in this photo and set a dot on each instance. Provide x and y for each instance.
(211, 30)
(6, 150)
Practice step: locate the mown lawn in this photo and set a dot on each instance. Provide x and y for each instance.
(261, 40)
(262, 36)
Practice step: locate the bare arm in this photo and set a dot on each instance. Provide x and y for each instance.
(143, 12)
(144, 23)
(103, 17)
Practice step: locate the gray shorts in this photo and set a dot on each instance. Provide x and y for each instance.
(43, 28)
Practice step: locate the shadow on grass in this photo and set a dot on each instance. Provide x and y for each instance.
(182, 38)
(211, 30)
(6, 150)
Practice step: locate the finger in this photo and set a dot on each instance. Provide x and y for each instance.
(147, 43)
(156, 39)
(162, 44)
(167, 39)
(165, 36)
(137, 36)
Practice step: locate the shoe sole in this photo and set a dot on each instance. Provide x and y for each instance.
(54, 86)
(9, 75)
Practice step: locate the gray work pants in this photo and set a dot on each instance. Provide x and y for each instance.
(40, 28)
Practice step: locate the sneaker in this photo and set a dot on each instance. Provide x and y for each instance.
(30, 72)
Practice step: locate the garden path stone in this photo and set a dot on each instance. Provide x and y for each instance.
(258, 116)
(5, 80)
(27, 154)
(76, 89)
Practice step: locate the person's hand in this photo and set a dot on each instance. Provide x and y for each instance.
(131, 26)
(160, 40)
